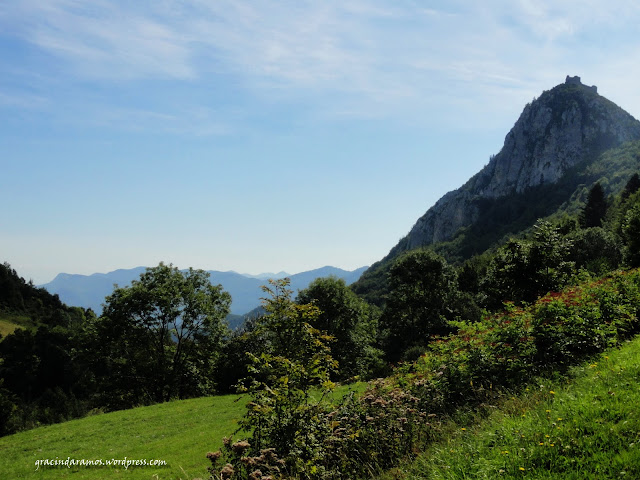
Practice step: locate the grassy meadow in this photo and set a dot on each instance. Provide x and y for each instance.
(180, 433)
(9, 322)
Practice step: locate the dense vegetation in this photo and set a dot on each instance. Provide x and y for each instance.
(445, 334)
(583, 425)
(38, 376)
(508, 216)
(399, 415)
(158, 339)
(551, 309)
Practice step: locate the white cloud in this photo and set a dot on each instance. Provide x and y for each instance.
(22, 101)
(99, 39)
(355, 57)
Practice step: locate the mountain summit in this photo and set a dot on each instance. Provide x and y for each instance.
(549, 156)
(567, 125)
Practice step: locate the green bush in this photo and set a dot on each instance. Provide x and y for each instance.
(365, 434)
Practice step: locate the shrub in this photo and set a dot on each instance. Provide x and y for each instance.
(364, 434)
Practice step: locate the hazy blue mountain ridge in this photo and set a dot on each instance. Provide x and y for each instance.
(89, 291)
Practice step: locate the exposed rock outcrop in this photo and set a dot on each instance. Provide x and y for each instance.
(567, 125)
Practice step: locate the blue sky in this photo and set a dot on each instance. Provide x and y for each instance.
(268, 135)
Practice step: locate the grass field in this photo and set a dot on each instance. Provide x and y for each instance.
(9, 322)
(180, 433)
(585, 426)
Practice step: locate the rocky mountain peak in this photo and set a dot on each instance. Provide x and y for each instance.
(569, 124)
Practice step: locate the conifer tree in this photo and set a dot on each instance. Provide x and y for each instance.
(595, 209)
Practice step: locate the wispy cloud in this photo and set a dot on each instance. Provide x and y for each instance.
(22, 101)
(363, 57)
(101, 39)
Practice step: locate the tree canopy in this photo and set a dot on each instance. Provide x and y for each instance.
(160, 335)
(349, 320)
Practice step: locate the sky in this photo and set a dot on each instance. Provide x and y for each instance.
(261, 136)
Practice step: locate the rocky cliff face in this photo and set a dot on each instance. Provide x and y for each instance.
(567, 125)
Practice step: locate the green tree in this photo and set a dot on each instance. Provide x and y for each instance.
(632, 186)
(423, 298)
(351, 321)
(521, 270)
(631, 235)
(288, 379)
(159, 337)
(510, 275)
(595, 209)
(549, 256)
(596, 250)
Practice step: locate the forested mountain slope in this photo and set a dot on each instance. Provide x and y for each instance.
(562, 143)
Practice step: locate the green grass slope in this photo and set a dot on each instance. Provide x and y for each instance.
(9, 322)
(583, 426)
(180, 433)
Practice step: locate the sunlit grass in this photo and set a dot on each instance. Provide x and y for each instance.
(9, 322)
(588, 427)
(180, 432)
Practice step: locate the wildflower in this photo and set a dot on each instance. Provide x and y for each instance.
(256, 475)
(552, 392)
(227, 471)
(213, 456)
(463, 428)
(548, 411)
(240, 447)
(522, 469)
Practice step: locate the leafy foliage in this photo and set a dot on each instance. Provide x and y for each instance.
(294, 363)
(363, 435)
(351, 322)
(421, 301)
(158, 338)
(521, 271)
(595, 209)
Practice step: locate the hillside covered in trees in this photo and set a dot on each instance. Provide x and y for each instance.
(544, 275)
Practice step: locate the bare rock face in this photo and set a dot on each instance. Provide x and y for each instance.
(567, 125)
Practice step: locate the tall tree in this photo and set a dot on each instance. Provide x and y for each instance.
(632, 186)
(350, 320)
(595, 209)
(631, 235)
(160, 336)
(522, 270)
(422, 299)
(294, 362)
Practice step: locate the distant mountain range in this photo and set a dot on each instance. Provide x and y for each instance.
(89, 291)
